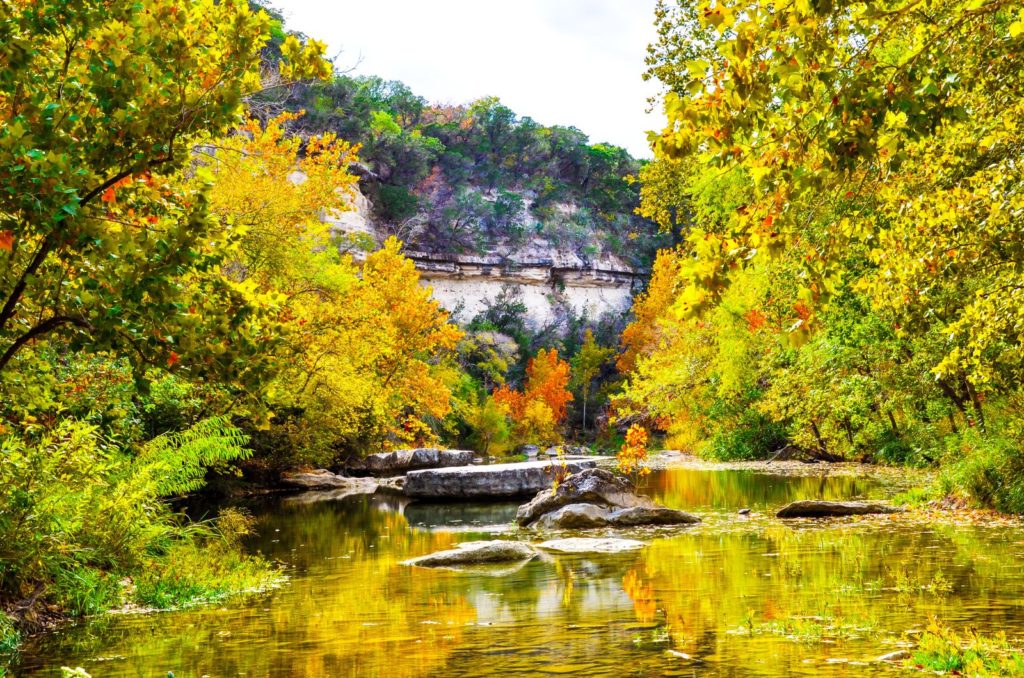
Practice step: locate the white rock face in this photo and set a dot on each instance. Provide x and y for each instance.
(550, 279)
(470, 295)
(355, 220)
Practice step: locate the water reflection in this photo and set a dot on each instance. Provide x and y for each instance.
(768, 599)
(696, 490)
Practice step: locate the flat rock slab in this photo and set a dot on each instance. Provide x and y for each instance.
(403, 461)
(591, 545)
(477, 553)
(486, 482)
(322, 479)
(831, 509)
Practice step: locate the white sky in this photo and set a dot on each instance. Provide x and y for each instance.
(561, 62)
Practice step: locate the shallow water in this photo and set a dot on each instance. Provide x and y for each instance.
(736, 595)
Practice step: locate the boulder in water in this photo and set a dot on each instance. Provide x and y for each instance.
(831, 509)
(596, 498)
(477, 553)
(591, 486)
(642, 515)
(574, 517)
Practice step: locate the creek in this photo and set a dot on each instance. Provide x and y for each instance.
(737, 595)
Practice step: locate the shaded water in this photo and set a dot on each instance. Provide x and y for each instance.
(733, 596)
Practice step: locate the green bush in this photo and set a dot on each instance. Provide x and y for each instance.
(397, 203)
(753, 436)
(899, 451)
(10, 637)
(989, 469)
(942, 650)
(79, 515)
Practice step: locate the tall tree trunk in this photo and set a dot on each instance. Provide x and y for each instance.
(585, 394)
(892, 423)
(976, 401)
(817, 436)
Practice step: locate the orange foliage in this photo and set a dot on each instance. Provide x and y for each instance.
(546, 379)
(641, 335)
(633, 453)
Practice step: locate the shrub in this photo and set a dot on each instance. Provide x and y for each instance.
(942, 650)
(989, 469)
(9, 636)
(752, 436)
(633, 454)
(79, 514)
(397, 203)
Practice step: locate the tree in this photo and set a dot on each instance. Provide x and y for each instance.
(587, 365)
(489, 421)
(542, 404)
(872, 126)
(102, 103)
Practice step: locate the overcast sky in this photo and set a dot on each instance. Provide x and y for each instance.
(561, 62)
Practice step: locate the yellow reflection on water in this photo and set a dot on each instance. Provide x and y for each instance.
(732, 596)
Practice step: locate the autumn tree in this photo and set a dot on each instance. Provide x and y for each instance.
(867, 126)
(542, 405)
(849, 192)
(587, 365)
(102, 103)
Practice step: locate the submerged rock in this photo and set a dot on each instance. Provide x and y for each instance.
(897, 656)
(403, 461)
(591, 545)
(596, 498)
(477, 553)
(828, 509)
(497, 480)
(642, 515)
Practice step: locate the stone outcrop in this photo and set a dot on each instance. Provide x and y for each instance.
(486, 482)
(401, 462)
(831, 509)
(593, 486)
(550, 278)
(477, 553)
(596, 498)
(591, 545)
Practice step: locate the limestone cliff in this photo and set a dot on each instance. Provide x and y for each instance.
(550, 281)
